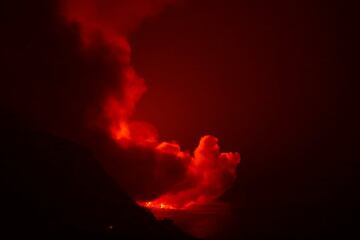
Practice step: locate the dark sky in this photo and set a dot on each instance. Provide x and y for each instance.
(242, 70)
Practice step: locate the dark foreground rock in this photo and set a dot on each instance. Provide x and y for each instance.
(52, 187)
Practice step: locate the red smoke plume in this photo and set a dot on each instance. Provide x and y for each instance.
(193, 178)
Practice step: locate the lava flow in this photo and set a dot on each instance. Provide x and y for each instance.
(198, 177)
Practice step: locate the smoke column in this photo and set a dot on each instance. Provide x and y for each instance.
(194, 178)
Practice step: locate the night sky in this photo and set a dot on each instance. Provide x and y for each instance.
(250, 72)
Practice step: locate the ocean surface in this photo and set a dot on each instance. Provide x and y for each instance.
(205, 221)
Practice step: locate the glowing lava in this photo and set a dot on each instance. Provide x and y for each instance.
(156, 205)
(206, 173)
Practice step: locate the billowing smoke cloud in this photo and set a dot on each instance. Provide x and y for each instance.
(66, 67)
(175, 178)
(209, 174)
(110, 21)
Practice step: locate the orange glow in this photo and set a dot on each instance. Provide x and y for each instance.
(208, 172)
(154, 205)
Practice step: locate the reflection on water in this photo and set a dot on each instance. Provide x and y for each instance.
(200, 221)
